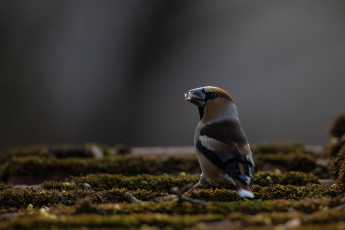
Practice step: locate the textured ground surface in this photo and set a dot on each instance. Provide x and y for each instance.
(97, 187)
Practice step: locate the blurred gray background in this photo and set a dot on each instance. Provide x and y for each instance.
(116, 71)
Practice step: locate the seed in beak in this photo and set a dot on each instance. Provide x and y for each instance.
(188, 96)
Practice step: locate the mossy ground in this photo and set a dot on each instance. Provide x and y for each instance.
(75, 190)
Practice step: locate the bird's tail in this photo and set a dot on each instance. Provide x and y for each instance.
(243, 189)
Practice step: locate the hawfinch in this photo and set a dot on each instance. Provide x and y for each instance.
(222, 148)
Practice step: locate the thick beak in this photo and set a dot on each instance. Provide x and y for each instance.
(196, 96)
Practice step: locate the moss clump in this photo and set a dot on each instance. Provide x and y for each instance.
(333, 149)
(3, 186)
(35, 150)
(86, 150)
(337, 128)
(279, 148)
(21, 198)
(294, 192)
(341, 174)
(325, 217)
(245, 213)
(272, 219)
(271, 192)
(39, 221)
(99, 200)
(122, 149)
(38, 163)
(335, 164)
(307, 205)
(290, 178)
(86, 206)
(99, 182)
(45, 168)
(58, 151)
(304, 162)
(337, 132)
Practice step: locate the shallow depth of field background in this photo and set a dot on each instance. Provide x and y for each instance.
(116, 71)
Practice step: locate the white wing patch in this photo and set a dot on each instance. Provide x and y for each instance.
(249, 156)
(212, 144)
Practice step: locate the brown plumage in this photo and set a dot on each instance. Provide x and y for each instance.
(222, 148)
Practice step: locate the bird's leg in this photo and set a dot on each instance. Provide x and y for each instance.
(192, 189)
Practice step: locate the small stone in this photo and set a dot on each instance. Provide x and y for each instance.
(153, 182)
(327, 181)
(45, 207)
(293, 223)
(96, 151)
(86, 185)
(129, 196)
(323, 162)
(291, 210)
(116, 208)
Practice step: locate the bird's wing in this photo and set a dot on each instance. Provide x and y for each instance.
(233, 152)
(230, 133)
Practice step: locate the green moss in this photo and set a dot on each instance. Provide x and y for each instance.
(271, 192)
(245, 213)
(44, 168)
(114, 221)
(271, 219)
(337, 128)
(341, 176)
(333, 149)
(86, 206)
(3, 186)
(304, 162)
(328, 226)
(77, 202)
(290, 178)
(35, 150)
(322, 217)
(99, 182)
(335, 164)
(122, 149)
(38, 163)
(21, 198)
(58, 151)
(307, 205)
(279, 148)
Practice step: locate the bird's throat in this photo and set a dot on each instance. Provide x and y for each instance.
(201, 111)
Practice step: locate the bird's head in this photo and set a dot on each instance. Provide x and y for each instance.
(211, 101)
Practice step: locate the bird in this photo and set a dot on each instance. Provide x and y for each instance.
(223, 150)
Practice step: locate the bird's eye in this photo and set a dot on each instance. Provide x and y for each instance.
(214, 95)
